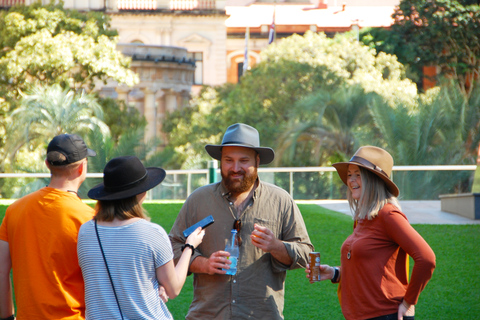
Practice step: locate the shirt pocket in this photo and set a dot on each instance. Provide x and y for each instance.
(272, 225)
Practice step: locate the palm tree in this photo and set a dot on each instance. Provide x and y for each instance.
(130, 143)
(325, 127)
(438, 130)
(49, 111)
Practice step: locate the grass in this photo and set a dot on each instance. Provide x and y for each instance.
(452, 293)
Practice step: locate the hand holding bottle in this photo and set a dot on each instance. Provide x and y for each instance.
(232, 249)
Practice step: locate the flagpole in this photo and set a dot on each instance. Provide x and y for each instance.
(272, 34)
(245, 57)
(274, 24)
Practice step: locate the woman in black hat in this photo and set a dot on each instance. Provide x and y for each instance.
(373, 275)
(126, 260)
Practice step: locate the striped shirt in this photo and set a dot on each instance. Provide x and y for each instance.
(133, 252)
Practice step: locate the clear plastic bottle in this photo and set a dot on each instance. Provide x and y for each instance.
(232, 248)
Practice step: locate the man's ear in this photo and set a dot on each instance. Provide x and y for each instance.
(82, 167)
(258, 159)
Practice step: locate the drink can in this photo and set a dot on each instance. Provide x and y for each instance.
(314, 266)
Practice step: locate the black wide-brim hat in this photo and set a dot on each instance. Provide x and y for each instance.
(241, 135)
(125, 177)
(375, 160)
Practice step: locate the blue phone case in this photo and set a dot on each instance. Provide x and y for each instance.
(202, 223)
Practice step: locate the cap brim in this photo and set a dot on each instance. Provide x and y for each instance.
(266, 154)
(342, 170)
(91, 153)
(154, 177)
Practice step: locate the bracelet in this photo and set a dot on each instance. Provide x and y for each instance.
(336, 275)
(12, 317)
(186, 245)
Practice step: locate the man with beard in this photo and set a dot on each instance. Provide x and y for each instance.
(271, 234)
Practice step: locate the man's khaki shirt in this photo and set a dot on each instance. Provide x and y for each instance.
(257, 290)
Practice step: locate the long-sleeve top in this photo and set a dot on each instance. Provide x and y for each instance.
(257, 290)
(374, 277)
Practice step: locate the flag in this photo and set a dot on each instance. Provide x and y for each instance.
(271, 32)
(245, 57)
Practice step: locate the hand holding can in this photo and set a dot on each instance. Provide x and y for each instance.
(314, 261)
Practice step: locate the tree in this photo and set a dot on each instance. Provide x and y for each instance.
(48, 44)
(441, 128)
(435, 33)
(50, 111)
(267, 97)
(120, 118)
(327, 127)
(349, 60)
(387, 41)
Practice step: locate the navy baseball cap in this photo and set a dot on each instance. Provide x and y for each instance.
(71, 146)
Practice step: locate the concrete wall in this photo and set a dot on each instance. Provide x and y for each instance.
(464, 204)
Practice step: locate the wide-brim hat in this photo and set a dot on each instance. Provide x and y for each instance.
(375, 160)
(125, 177)
(241, 135)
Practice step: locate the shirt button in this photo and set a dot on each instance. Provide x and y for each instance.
(234, 281)
(231, 203)
(233, 301)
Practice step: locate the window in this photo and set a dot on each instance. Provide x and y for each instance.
(239, 71)
(198, 74)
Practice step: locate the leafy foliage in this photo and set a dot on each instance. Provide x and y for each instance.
(442, 128)
(121, 118)
(328, 126)
(280, 92)
(316, 100)
(48, 44)
(434, 33)
(49, 111)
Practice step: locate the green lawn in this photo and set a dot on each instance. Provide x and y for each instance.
(453, 292)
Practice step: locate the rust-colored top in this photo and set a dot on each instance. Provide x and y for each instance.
(374, 276)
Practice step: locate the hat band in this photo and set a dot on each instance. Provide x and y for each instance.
(126, 186)
(238, 142)
(369, 165)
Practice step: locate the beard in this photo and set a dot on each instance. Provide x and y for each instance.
(239, 185)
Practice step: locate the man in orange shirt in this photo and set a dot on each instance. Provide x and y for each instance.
(38, 240)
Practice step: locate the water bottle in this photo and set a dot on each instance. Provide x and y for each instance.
(232, 248)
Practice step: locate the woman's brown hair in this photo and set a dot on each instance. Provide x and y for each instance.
(122, 209)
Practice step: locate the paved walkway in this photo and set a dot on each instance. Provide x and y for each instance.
(417, 212)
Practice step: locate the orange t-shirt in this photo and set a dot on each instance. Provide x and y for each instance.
(41, 230)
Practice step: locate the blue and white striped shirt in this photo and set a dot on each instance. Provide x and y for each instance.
(133, 252)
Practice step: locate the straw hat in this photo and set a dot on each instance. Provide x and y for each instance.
(375, 160)
(241, 135)
(125, 177)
